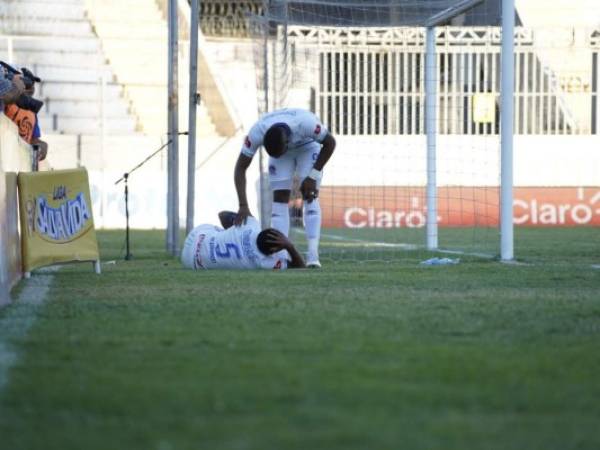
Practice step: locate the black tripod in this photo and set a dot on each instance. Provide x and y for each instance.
(125, 177)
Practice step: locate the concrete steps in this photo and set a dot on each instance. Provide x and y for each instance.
(233, 61)
(58, 90)
(37, 9)
(65, 124)
(85, 108)
(56, 41)
(60, 58)
(74, 74)
(35, 26)
(144, 9)
(561, 44)
(75, 3)
(120, 28)
(136, 49)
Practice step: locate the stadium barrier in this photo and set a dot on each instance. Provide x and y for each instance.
(15, 155)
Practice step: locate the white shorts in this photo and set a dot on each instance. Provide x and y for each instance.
(298, 161)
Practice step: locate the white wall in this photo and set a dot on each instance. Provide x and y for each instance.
(368, 160)
(14, 156)
(465, 161)
(215, 160)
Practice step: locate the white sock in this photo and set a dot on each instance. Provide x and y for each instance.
(280, 217)
(312, 226)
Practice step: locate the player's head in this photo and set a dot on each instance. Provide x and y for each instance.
(268, 241)
(276, 140)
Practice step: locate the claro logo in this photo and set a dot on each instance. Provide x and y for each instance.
(372, 218)
(531, 206)
(581, 211)
(357, 217)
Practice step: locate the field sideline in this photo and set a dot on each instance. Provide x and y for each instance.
(481, 355)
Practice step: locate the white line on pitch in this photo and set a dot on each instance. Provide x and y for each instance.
(18, 319)
(365, 242)
(404, 246)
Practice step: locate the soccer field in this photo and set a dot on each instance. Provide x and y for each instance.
(548, 246)
(359, 355)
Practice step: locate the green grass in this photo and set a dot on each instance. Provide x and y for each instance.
(377, 355)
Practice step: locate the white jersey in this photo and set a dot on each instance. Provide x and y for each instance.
(211, 247)
(304, 128)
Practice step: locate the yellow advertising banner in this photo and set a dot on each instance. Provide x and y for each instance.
(56, 218)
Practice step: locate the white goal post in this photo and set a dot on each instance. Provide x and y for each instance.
(506, 108)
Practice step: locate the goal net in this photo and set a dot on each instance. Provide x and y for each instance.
(361, 67)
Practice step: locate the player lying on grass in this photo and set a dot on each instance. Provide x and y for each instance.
(241, 247)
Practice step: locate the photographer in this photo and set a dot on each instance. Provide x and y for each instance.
(23, 108)
(25, 80)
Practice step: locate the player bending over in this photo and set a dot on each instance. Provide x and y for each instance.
(297, 142)
(243, 247)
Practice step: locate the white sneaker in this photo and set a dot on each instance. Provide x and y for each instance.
(313, 264)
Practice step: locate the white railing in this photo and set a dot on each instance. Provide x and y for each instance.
(370, 80)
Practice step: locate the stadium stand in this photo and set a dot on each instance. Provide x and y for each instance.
(56, 40)
(136, 48)
(104, 88)
(73, 45)
(565, 52)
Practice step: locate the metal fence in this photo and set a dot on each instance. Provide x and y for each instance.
(371, 81)
(227, 18)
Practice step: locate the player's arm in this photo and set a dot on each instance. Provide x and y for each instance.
(297, 261)
(309, 184)
(327, 149)
(310, 127)
(279, 242)
(239, 176)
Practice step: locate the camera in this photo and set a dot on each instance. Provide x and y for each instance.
(29, 103)
(29, 79)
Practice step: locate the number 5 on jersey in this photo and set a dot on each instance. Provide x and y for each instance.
(227, 252)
